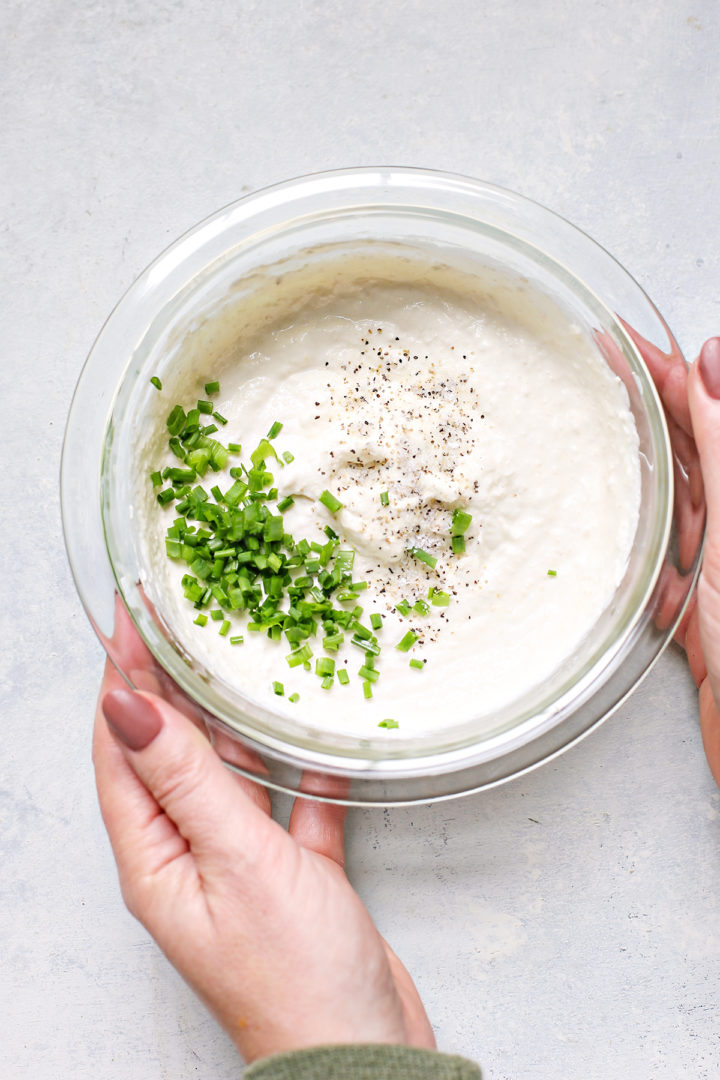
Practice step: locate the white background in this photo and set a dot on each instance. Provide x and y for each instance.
(565, 925)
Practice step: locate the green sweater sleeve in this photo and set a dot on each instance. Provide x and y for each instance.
(363, 1062)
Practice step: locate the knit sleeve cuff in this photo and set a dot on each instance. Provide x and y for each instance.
(363, 1062)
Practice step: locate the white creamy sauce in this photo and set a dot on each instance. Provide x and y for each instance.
(442, 398)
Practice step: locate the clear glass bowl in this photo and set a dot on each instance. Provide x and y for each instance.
(187, 293)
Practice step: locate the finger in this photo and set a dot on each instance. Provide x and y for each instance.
(234, 753)
(669, 373)
(319, 827)
(186, 778)
(710, 728)
(705, 407)
(143, 839)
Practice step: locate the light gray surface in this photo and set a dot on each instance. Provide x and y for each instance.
(564, 925)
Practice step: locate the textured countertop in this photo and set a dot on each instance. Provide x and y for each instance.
(564, 925)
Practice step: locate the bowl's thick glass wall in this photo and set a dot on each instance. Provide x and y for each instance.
(464, 223)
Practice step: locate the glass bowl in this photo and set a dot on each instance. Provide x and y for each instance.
(183, 305)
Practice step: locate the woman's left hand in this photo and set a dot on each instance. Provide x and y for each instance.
(262, 923)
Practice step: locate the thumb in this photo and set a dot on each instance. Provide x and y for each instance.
(181, 771)
(704, 397)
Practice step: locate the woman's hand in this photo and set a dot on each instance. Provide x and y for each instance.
(702, 637)
(262, 923)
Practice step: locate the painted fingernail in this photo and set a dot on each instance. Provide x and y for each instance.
(709, 366)
(132, 718)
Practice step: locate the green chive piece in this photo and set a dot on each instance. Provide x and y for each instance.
(156, 382)
(440, 598)
(403, 607)
(205, 406)
(388, 724)
(327, 682)
(201, 620)
(458, 545)
(156, 479)
(342, 677)
(275, 430)
(324, 666)
(328, 500)
(367, 690)
(384, 498)
(376, 621)
(288, 457)
(234, 447)
(176, 420)
(278, 689)
(216, 614)
(460, 521)
(294, 698)
(212, 388)
(419, 664)
(220, 418)
(223, 631)
(285, 503)
(424, 557)
(406, 642)
(238, 639)
(552, 573)
(421, 606)
(164, 497)
(368, 673)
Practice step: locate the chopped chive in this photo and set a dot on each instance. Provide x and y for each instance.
(384, 498)
(403, 607)
(156, 479)
(421, 606)
(368, 673)
(285, 503)
(329, 500)
(342, 677)
(406, 642)
(460, 521)
(458, 545)
(367, 690)
(223, 631)
(205, 406)
(324, 666)
(275, 430)
(299, 656)
(220, 418)
(201, 620)
(327, 682)
(424, 557)
(419, 664)
(212, 388)
(176, 420)
(238, 639)
(294, 698)
(376, 621)
(216, 614)
(156, 382)
(164, 497)
(388, 724)
(440, 598)
(287, 457)
(234, 447)
(552, 573)
(278, 689)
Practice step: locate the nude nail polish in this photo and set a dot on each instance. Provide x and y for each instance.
(709, 366)
(132, 718)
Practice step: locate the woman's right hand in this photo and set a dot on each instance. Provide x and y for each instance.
(702, 637)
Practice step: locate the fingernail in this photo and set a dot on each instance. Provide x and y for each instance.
(131, 717)
(709, 366)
